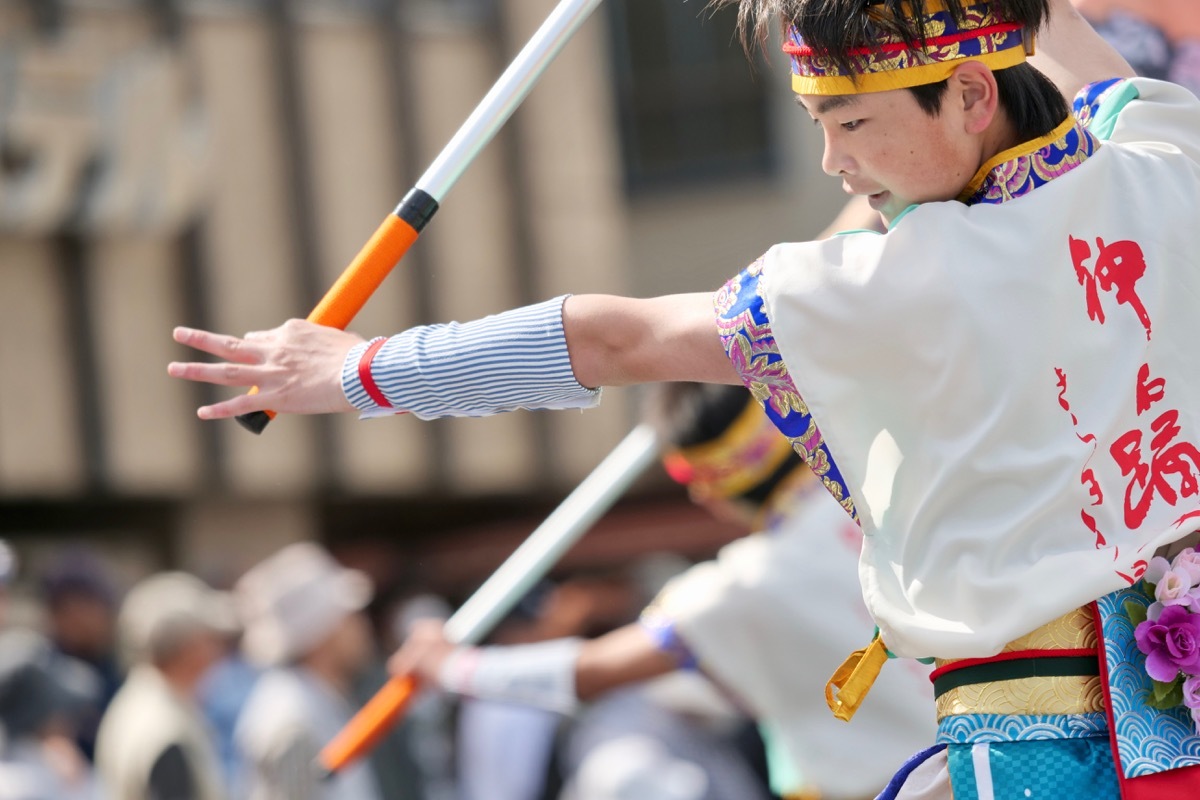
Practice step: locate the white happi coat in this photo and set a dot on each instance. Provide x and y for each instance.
(1012, 391)
(771, 619)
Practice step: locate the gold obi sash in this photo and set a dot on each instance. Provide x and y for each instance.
(1053, 670)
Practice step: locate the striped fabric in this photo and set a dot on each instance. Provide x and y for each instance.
(513, 360)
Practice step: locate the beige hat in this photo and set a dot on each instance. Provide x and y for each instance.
(166, 609)
(293, 600)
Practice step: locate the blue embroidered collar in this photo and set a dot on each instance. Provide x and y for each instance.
(1018, 171)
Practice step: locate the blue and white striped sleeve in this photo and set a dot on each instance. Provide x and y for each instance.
(504, 362)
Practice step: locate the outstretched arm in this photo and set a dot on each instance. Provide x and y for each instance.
(554, 674)
(1072, 54)
(624, 656)
(540, 357)
(618, 341)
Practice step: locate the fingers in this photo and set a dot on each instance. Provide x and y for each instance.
(242, 404)
(234, 407)
(221, 374)
(241, 368)
(297, 368)
(226, 375)
(230, 348)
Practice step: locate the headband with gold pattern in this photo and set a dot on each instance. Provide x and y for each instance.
(748, 452)
(894, 64)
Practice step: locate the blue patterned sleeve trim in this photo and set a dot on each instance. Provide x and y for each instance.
(1098, 105)
(504, 362)
(744, 323)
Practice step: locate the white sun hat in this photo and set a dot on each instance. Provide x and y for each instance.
(168, 608)
(293, 600)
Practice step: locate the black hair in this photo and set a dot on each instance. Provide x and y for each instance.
(689, 414)
(1033, 103)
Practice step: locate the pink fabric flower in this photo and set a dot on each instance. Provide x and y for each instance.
(1188, 561)
(1173, 583)
(1171, 643)
(1191, 693)
(1156, 569)
(1174, 588)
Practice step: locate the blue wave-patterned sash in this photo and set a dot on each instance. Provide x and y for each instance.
(974, 728)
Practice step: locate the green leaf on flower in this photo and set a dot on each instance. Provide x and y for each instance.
(1135, 611)
(1166, 695)
(1149, 589)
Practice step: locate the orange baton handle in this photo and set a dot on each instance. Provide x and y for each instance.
(369, 725)
(366, 272)
(350, 292)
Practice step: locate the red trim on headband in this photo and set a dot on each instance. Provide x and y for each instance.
(679, 469)
(364, 373)
(896, 47)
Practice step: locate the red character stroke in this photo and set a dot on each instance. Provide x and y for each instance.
(1119, 265)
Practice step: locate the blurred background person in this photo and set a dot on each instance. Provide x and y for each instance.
(746, 619)
(509, 750)
(154, 742)
(304, 623)
(222, 694)
(1159, 38)
(505, 750)
(672, 737)
(41, 694)
(393, 759)
(691, 741)
(637, 767)
(430, 724)
(8, 573)
(80, 598)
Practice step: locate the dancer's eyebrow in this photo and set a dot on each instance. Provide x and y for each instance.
(827, 104)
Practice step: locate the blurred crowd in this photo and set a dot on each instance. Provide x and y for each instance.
(173, 690)
(1159, 39)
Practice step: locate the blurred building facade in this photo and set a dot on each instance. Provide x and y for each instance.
(218, 162)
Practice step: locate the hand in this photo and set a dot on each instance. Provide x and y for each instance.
(297, 368)
(64, 758)
(423, 652)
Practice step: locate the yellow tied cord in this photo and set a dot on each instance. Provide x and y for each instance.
(849, 685)
(803, 794)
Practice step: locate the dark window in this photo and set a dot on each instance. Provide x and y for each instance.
(691, 107)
